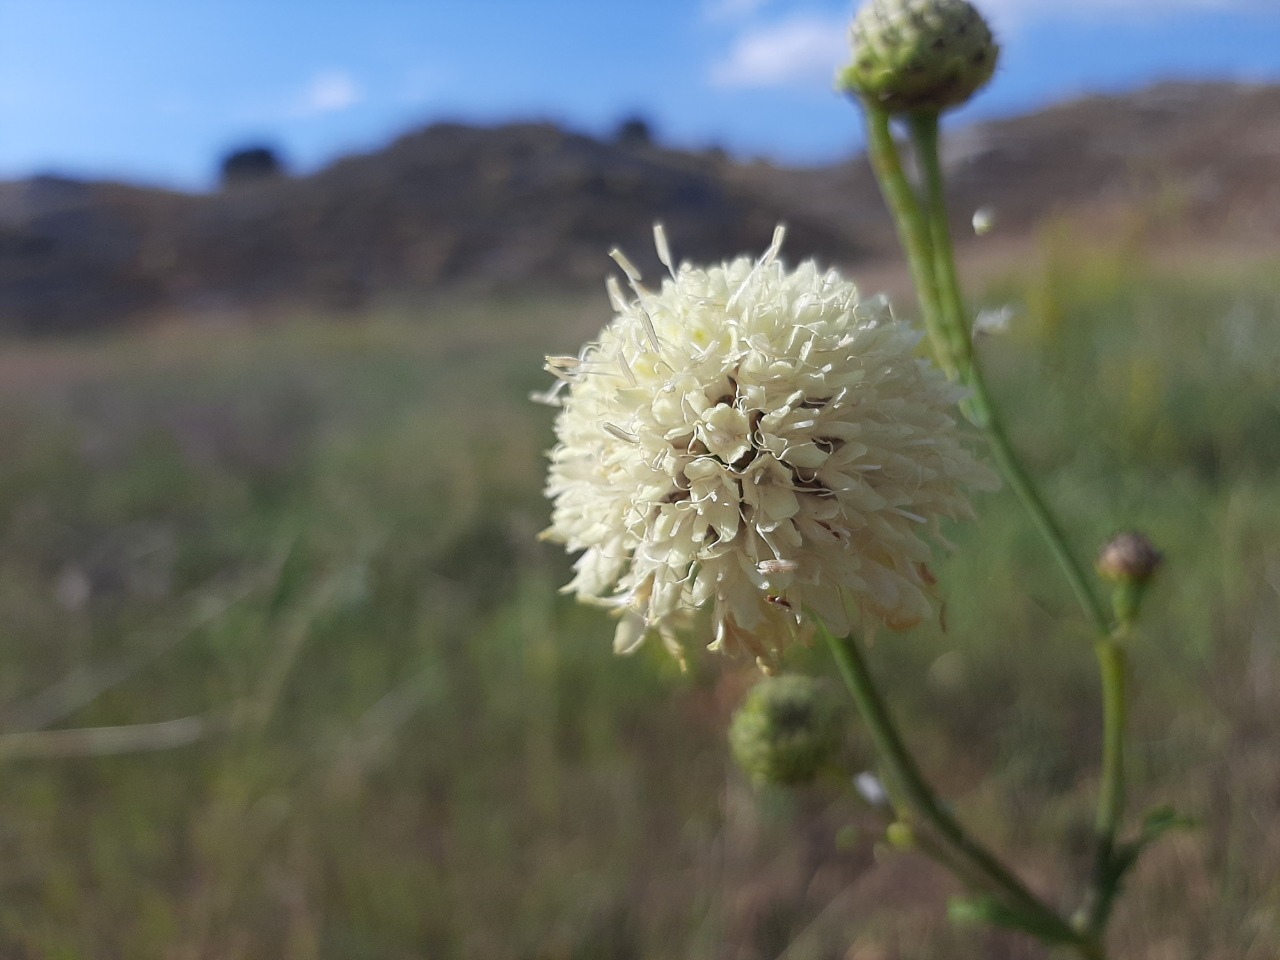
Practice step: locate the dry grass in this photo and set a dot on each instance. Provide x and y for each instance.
(325, 532)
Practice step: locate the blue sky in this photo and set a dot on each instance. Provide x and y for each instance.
(155, 90)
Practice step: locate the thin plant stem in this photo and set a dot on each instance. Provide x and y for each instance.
(954, 320)
(113, 741)
(1111, 660)
(1026, 491)
(916, 794)
(1111, 792)
(924, 134)
(931, 256)
(924, 137)
(912, 225)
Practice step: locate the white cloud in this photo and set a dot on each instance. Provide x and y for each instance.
(805, 51)
(329, 92)
(1009, 14)
(805, 46)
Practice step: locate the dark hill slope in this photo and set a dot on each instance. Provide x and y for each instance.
(526, 205)
(1194, 161)
(449, 205)
(453, 204)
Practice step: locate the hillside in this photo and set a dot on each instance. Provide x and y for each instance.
(1191, 161)
(532, 205)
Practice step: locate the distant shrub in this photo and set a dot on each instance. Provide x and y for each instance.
(249, 164)
(634, 131)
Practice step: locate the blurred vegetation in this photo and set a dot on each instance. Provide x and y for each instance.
(313, 545)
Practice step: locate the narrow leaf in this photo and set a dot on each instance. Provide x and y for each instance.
(989, 910)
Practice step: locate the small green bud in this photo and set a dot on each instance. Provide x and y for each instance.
(900, 836)
(919, 55)
(787, 729)
(847, 838)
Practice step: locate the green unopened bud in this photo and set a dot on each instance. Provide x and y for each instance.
(919, 55)
(900, 836)
(787, 730)
(1128, 561)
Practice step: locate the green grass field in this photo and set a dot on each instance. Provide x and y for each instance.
(297, 565)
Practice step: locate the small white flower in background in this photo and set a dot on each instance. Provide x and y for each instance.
(996, 320)
(758, 441)
(984, 220)
(871, 789)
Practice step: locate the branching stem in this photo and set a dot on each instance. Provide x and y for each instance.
(959, 344)
(921, 217)
(913, 794)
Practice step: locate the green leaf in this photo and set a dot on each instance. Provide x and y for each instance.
(1155, 825)
(989, 910)
(1163, 819)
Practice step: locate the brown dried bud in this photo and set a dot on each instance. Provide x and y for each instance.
(1129, 558)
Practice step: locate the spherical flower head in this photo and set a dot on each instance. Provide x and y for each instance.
(919, 55)
(787, 730)
(755, 441)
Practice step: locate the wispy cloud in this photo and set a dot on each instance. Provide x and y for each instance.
(328, 92)
(801, 43)
(1091, 7)
(1008, 14)
(803, 51)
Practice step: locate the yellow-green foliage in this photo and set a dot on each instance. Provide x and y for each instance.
(320, 539)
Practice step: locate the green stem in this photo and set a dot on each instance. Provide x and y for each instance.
(926, 238)
(924, 134)
(1111, 660)
(913, 228)
(1111, 793)
(912, 790)
(955, 327)
(1045, 522)
(981, 409)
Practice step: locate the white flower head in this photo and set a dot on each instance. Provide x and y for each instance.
(758, 441)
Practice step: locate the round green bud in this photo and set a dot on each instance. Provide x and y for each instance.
(919, 55)
(787, 729)
(900, 836)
